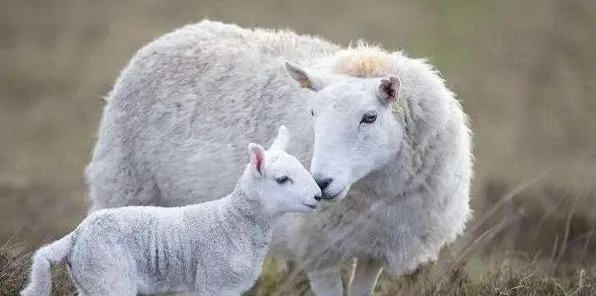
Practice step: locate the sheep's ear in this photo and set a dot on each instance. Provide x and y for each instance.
(257, 157)
(388, 89)
(305, 79)
(282, 139)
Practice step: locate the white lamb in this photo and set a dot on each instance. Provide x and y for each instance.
(213, 248)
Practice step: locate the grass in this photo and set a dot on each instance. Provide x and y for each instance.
(14, 272)
(492, 259)
(519, 279)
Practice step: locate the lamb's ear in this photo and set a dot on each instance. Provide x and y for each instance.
(282, 139)
(388, 89)
(257, 157)
(305, 79)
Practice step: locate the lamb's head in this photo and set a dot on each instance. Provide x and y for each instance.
(279, 180)
(355, 130)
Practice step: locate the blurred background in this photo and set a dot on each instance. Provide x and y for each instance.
(524, 70)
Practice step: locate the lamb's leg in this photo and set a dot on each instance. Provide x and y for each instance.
(109, 291)
(108, 272)
(326, 282)
(105, 285)
(364, 277)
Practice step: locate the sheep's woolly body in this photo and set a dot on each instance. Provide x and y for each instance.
(188, 102)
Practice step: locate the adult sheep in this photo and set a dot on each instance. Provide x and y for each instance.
(391, 144)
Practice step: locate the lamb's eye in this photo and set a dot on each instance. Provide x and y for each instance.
(369, 117)
(312, 113)
(282, 180)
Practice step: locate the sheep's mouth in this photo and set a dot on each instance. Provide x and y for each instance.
(337, 196)
(311, 206)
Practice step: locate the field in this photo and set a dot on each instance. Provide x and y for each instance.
(524, 70)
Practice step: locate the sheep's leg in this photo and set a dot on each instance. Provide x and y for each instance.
(326, 282)
(364, 277)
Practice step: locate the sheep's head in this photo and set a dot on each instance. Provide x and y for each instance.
(280, 180)
(355, 127)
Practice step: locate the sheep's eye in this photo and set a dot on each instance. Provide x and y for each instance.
(282, 180)
(312, 113)
(369, 117)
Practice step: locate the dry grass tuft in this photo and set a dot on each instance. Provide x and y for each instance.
(14, 272)
(554, 224)
(508, 279)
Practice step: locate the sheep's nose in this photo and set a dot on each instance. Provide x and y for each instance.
(324, 183)
(317, 197)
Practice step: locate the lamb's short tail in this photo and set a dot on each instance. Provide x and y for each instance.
(40, 280)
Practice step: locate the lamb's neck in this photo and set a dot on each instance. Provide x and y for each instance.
(244, 210)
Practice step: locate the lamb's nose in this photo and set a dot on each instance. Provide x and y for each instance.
(324, 183)
(317, 197)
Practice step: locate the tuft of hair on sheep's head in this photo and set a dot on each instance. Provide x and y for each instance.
(279, 179)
